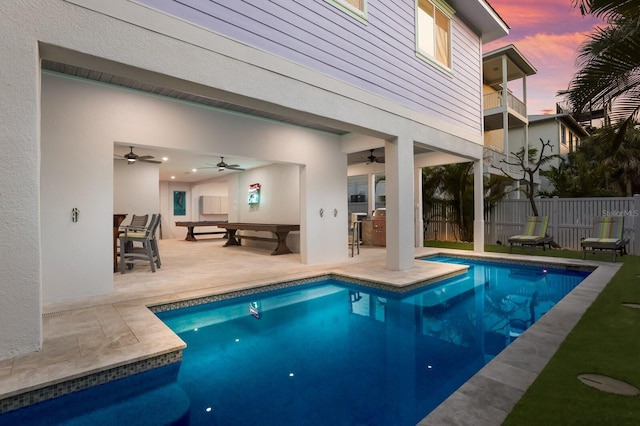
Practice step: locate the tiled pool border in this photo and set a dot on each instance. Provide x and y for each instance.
(524, 262)
(163, 307)
(84, 382)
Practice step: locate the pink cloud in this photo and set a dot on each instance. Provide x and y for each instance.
(552, 15)
(549, 34)
(550, 50)
(554, 56)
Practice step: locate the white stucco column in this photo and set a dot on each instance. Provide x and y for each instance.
(372, 193)
(399, 192)
(20, 266)
(478, 207)
(417, 209)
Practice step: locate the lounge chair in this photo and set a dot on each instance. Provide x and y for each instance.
(534, 234)
(606, 235)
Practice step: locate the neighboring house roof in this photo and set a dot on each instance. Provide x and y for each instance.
(566, 119)
(479, 15)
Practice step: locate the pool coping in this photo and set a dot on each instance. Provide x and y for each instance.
(82, 382)
(186, 303)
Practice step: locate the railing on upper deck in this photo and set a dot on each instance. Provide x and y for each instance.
(496, 99)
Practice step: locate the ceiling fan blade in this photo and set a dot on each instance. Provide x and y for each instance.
(150, 161)
(222, 166)
(373, 158)
(145, 157)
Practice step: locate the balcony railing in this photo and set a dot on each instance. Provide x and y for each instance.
(496, 99)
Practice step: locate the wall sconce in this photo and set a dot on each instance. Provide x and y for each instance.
(335, 212)
(321, 212)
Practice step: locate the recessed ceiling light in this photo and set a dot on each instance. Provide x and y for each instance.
(194, 170)
(173, 177)
(165, 158)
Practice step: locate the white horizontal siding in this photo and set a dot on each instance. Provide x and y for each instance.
(378, 56)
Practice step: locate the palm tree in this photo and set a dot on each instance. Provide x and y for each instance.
(623, 166)
(609, 62)
(577, 176)
(448, 195)
(594, 171)
(451, 186)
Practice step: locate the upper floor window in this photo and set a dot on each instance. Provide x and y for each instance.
(563, 135)
(355, 8)
(358, 4)
(433, 22)
(572, 139)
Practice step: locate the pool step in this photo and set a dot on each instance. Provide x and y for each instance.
(163, 405)
(153, 397)
(166, 405)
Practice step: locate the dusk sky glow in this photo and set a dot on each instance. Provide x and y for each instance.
(548, 33)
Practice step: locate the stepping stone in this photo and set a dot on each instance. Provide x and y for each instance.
(608, 384)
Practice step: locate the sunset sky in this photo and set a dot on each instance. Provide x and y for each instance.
(548, 33)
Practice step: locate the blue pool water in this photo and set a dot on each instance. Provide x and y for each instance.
(338, 354)
(333, 353)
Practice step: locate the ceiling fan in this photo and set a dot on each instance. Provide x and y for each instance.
(222, 166)
(373, 159)
(132, 157)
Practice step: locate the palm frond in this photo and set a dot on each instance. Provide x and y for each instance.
(609, 63)
(607, 9)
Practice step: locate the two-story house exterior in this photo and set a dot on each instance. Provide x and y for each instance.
(505, 72)
(296, 83)
(564, 134)
(507, 126)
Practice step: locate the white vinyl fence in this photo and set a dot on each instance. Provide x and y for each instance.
(570, 220)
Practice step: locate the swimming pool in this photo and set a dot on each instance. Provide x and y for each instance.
(342, 354)
(336, 353)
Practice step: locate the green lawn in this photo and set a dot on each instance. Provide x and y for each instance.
(605, 341)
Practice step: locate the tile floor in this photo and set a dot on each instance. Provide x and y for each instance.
(83, 337)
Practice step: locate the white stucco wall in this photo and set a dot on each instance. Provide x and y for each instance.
(279, 195)
(216, 187)
(135, 189)
(76, 172)
(279, 200)
(108, 114)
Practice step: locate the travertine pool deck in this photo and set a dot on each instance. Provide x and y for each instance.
(98, 334)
